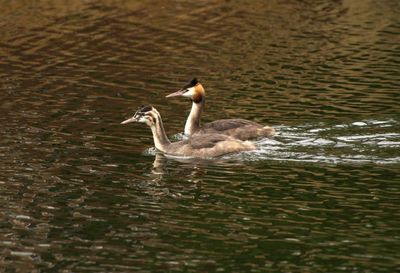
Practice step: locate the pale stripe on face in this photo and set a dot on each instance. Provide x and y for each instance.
(190, 92)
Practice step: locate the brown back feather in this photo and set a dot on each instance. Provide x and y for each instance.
(228, 124)
(206, 141)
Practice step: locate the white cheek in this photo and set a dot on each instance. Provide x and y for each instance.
(143, 119)
(189, 93)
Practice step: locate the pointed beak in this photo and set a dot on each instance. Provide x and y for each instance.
(132, 119)
(175, 94)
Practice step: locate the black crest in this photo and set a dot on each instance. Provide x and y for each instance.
(192, 83)
(146, 109)
(143, 109)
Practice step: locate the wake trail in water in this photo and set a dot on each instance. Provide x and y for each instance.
(368, 141)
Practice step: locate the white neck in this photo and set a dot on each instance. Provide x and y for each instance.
(193, 121)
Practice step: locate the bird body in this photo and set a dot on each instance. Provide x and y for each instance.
(204, 145)
(237, 128)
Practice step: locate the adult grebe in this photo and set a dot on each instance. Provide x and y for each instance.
(205, 145)
(238, 128)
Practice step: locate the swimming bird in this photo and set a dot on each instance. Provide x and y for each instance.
(205, 145)
(238, 128)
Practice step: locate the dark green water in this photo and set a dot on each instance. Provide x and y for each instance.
(81, 193)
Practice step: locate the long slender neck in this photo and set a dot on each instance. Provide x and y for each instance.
(161, 140)
(193, 121)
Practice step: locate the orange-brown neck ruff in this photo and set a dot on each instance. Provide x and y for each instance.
(199, 93)
(197, 98)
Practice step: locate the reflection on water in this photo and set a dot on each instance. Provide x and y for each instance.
(80, 193)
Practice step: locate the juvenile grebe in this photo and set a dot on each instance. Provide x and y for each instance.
(238, 128)
(205, 145)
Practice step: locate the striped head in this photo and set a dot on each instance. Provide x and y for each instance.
(193, 90)
(147, 114)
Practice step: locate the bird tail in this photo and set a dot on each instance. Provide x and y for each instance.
(269, 131)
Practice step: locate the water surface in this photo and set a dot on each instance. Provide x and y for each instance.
(82, 193)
